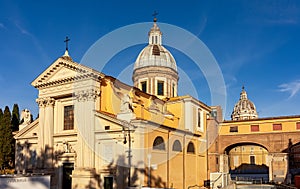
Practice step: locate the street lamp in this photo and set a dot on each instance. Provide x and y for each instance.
(129, 152)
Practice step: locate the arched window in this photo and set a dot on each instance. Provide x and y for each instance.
(177, 146)
(191, 148)
(159, 143)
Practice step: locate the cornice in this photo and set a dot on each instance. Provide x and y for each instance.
(264, 119)
(82, 72)
(27, 129)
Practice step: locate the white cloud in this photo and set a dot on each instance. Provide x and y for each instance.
(293, 87)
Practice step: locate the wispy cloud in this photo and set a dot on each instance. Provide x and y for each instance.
(282, 21)
(26, 32)
(22, 30)
(293, 88)
(2, 26)
(278, 12)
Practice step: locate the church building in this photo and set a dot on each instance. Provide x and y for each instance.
(95, 131)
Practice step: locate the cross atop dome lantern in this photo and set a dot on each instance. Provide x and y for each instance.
(155, 35)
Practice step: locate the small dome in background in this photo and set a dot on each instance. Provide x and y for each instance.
(244, 109)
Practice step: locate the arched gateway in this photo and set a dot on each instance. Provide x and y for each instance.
(264, 145)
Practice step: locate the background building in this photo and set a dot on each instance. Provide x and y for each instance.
(256, 148)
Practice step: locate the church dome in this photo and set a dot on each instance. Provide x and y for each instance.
(154, 54)
(244, 109)
(155, 70)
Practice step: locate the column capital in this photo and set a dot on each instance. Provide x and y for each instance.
(44, 102)
(87, 95)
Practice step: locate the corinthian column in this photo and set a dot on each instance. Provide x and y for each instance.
(46, 129)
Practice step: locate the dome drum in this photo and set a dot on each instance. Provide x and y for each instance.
(153, 71)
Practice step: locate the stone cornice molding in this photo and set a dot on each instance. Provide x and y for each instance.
(141, 72)
(87, 95)
(82, 72)
(77, 77)
(44, 102)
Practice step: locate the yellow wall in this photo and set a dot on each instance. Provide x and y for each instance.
(265, 126)
(241, 155)
(172, 169)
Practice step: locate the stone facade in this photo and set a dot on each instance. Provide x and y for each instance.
(101, 132)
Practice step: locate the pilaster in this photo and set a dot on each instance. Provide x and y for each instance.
(224, 163)
(278, 166)
(85, 105)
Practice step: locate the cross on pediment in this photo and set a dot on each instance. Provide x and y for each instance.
(66, 41)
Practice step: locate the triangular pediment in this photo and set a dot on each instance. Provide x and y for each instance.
(29, 131)
(63, 70)
(61, 73)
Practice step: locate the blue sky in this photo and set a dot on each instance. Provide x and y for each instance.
(256, 44)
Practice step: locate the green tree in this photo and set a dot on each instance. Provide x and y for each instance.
(15, 118)
(1, 140)
(15, 121)
(1, 115)
(6, 140)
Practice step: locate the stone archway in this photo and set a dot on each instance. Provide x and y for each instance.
(248, 161)
(294, 160)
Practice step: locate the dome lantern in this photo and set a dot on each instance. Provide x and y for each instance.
(155, 35)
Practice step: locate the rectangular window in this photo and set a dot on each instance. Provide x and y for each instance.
(233, 129)
(214, 113)
(173, 90)
(144, 86)
(277, 126)
(252, 160)
(108, 182)
(199, 118)
(69, 117)
(254, 128)
(298, 125)
(160, 88)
